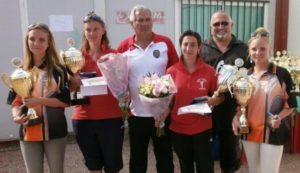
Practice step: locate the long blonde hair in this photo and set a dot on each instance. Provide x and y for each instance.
(51, 59)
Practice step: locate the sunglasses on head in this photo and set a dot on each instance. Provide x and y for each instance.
(92, 16)
(260, 34)
(224, 23)
(38, 25)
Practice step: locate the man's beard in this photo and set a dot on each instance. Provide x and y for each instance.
(221, 36)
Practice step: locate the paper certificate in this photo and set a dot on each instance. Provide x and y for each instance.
(201, 108)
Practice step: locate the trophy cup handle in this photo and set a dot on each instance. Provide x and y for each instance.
(17, 62)
(6, 80)
(230, 81)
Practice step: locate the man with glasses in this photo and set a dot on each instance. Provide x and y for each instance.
(147, 53)
(224, 48)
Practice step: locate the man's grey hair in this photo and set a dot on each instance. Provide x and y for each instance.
(138, 8)
(221, 12)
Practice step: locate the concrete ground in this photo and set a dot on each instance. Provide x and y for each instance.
(11, 160)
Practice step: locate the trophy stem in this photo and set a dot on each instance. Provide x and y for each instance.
(244, 129)
(297, 90)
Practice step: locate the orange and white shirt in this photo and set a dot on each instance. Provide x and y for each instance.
(44, 131)
(271, 88)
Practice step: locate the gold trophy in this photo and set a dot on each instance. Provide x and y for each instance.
(243, 89)
(290, 62)
(294, 70)
(295, 74)
(21, 82)
(74, 61)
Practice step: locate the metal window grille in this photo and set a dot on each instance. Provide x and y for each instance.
(246, 15)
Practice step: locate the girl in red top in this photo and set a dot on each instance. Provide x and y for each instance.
(98, 125)
(191, 137)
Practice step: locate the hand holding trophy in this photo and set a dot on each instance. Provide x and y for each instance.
(226, 76)
(21, 82)
(243, 89)
(74, 61)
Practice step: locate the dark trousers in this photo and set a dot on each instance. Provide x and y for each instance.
(141, 129)
(100, 142)
(194, 149)
(230, 150)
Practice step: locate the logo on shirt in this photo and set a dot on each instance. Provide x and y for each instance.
(156, 53)
(202, 82)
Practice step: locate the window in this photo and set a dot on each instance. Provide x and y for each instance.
(246, 15)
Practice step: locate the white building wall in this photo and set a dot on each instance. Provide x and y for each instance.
(118, 31)
(11, 44)
(293, 30)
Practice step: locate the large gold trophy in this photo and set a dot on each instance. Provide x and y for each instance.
(21, 82)
(74, 61)
(243, 89)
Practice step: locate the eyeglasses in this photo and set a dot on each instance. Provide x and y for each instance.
(224, 23)
(92, 16)
(260, 34)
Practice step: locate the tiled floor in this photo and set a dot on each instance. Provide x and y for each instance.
(11, 160)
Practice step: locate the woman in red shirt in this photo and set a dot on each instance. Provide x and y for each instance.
(191, 133)
(98, 124)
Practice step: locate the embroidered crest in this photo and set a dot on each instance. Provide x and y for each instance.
(156, 53)
(202, 85)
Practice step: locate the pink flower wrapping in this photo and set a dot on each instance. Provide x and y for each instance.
(115, 71)
(156, 94)
(156, 106)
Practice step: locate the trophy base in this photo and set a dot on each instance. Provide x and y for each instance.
(23, 110)
(32, 122)
(244, 130)
(80, 101)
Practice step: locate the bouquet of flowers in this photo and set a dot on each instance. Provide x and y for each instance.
(114, 69)
(156, 94)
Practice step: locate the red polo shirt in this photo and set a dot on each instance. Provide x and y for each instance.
(100, 106)
(202, 82)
